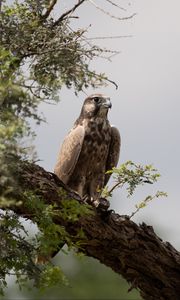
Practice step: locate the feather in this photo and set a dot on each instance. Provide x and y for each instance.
(114, 152)
(69, 153)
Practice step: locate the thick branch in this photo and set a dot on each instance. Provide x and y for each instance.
(67, 13)
(133, 251)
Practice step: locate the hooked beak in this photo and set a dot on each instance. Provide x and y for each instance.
(107, 103)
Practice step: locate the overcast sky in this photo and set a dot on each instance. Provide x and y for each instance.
(145, 108)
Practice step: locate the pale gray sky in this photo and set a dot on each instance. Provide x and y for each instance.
(145, 108)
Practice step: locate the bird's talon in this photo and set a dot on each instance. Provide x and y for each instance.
(95, 203)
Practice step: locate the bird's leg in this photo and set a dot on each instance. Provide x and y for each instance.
(93, 192)
(94, 199)
(90, 200)
(95, 189)
(78, 186)
(99, 202)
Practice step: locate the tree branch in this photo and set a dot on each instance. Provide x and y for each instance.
(132, 250)
(67, 13)
(49, 9)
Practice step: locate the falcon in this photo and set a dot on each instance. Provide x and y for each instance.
(90, 149)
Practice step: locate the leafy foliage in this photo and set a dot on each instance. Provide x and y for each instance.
(52, 237)
(72, 210)
(52, 276)
(131, 176)
(147, 200)
(16, 252)
(134, 175)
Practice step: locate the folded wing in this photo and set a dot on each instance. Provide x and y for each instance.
(69, 153)
(114, 152)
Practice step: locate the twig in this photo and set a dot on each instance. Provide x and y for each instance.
(110, 37)
(114, 186)
(113, 82)
(114, 4)
(144, 202)
(68, 12)
(106, 79)
(112, 16)
(109, 58)
(49, 9)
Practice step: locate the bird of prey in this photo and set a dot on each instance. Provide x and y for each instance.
(90, 149)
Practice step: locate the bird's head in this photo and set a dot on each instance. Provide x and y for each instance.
(96, 105)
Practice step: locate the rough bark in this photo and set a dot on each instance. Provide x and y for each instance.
(132, 250)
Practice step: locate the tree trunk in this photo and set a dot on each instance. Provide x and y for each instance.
(132, 250)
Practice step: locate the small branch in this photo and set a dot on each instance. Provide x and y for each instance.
(49, 9)
(67, 13)
(112, 16)
(104, 79)
(116, 5)
(112, 82)
(113, 188)
(109, 37)
(145, 201)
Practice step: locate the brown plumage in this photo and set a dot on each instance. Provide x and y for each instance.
(90, 149)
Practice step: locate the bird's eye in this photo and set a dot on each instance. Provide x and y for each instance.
(96, 99)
